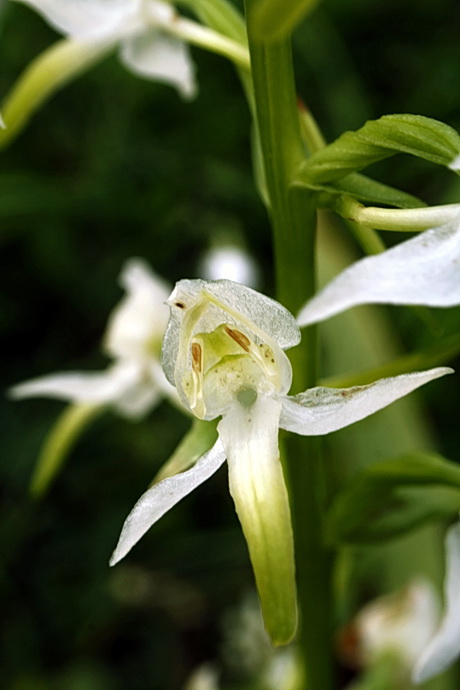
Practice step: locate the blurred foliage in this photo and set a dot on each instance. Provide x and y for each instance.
(113, 167)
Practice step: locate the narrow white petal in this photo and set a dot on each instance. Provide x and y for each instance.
(155, 502)
(444, 648)
(105, 387)
(137, 325)
(88, 19)
(321, 410)
(250, 438)
(422, 270)
(155, 55)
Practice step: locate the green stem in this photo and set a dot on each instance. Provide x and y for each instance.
(293, 218)
(396, 219)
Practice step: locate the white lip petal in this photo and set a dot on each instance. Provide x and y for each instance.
(250, 438)
(105, 387)
(322, 410)
(155, 502)
(444, 648)
(422, 270)
(88, 19)
(155, 55)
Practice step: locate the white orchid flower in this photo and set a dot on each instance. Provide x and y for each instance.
(444, 647)
(135, 382)
(151, 36)
(223, 350)
(424, 270)
(398, 624)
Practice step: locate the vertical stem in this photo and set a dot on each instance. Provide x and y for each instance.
(292, 215)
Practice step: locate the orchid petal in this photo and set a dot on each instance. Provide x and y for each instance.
(155, 55)
(250, 437)
(138, 323)
(321, 410)
(444, 648)
(88, 19)
(155, 502)
(105, 387)
(422, 270)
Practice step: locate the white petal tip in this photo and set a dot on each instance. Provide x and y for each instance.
(114, 559)
(419, 678)
(442, 371)
(455, 164)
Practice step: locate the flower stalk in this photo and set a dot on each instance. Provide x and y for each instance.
(397, 220)
(292, 214)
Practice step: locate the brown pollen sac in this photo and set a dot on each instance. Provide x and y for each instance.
(242, 340)
(180, 305)
(196, 357)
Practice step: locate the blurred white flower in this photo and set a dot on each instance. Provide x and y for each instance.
(424, 270)
(135, 382)
(444, 648)
(145, 30)
(398, 624)
(223, 350)
(231, 262)
(205, 677)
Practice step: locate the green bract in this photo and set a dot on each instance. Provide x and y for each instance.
(378, 139)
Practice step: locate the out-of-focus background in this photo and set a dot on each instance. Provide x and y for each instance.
(115, 167)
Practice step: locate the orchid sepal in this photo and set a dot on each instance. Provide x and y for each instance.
(161, 497)
(321, 410)
(421, 271)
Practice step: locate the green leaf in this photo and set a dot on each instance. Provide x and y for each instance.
(276, 19)
(59, 442)
(378, 139)
(392, 497)
(362, 188)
